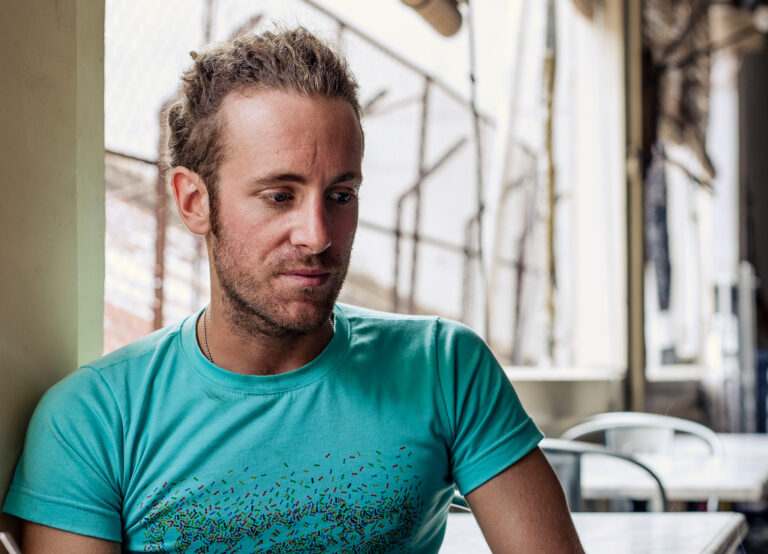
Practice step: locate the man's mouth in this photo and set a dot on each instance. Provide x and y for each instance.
(307, 277)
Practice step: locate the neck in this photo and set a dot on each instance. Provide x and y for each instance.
(252, 352)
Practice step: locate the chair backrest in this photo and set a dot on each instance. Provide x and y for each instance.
(639, 432)
(458, 502)
(565, 458)
(631, 432)
(9, 544)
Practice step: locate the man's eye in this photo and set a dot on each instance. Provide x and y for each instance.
(342, 197)
(279, 197)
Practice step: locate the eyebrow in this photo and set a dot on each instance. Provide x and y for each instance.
(296, 178)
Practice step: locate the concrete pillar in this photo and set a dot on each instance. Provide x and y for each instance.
(52, 203)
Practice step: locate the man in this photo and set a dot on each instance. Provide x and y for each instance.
(276, 420)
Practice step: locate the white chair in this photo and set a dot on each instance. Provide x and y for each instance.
(565, 457)
(643, 433)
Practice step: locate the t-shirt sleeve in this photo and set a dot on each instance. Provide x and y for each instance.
(68, 474)
(489, 428)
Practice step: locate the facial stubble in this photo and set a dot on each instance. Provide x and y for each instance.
(252, 307)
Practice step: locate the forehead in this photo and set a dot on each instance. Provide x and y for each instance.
(272, 121)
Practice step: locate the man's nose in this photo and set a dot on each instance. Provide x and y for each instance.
(311, 230)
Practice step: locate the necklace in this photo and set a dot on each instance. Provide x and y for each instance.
(205, 338)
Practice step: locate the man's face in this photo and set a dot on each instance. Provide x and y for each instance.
(286, 209)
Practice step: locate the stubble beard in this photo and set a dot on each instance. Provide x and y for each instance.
(254, 308)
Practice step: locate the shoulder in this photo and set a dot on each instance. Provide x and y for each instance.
(438, 342)
(103, 381)
(442, 328)
(356, 314)
(145, 347)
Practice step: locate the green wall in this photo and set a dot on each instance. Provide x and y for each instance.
(51, 202)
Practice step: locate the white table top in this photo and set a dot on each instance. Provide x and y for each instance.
(737, 445)
(625, 533)
(689, 474)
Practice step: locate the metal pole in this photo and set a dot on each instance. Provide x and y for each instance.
(469, 253)
(396, 265)
(398, 230)
(161, 221)
(417, 193)
(480, 192)
(549, 94)
(635, 381)
(208, 21)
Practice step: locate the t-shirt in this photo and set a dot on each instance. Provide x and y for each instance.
(357, 451)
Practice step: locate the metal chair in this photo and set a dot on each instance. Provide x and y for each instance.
(565, 458)
(638, 433)
(458, 503)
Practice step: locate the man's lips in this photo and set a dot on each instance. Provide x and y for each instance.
(307, 277)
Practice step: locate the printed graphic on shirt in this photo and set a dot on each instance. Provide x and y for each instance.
(353, 503)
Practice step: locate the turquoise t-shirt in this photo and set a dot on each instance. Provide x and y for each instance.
(357, 451)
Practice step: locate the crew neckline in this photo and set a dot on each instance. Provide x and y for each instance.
(329, 358)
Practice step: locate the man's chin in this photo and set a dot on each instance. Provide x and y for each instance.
(298, 318)
(279, 313)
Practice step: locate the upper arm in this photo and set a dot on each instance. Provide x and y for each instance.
(486, 425)
(36, 538)
(523, 509)
(69, 474)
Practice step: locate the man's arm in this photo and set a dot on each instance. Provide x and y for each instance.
(36, 538)
(523, 509)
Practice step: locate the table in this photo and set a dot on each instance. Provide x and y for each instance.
(684, 478)
(736, 445)
(625, 533)
(688, 473)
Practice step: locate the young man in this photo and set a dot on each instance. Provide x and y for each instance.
(276, 420)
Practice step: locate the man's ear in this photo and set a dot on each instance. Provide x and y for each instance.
(191, 197)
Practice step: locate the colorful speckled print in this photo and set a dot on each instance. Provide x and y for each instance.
(354, 503)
